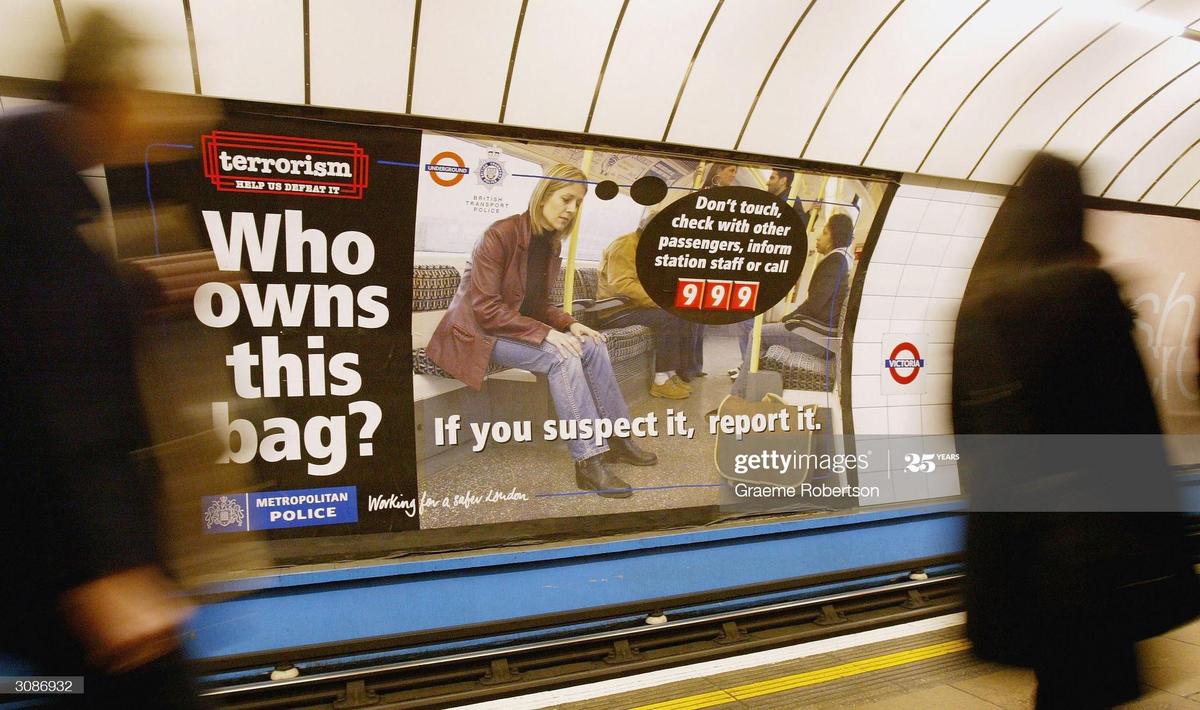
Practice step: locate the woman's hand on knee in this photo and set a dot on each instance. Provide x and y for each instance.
(568, 345)
(581, 331)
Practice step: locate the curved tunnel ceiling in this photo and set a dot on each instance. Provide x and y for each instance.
(963, 89)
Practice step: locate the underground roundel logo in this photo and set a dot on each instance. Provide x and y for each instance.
(447, 168)
(910, 366)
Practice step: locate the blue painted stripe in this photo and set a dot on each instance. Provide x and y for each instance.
(649, 542)
(566, 579)
(304, 608)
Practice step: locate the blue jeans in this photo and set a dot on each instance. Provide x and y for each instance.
(581, 387)
(674, 338)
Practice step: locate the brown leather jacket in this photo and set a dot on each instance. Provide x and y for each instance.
(488, 302)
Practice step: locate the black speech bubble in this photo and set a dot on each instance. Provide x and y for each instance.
(660, 269)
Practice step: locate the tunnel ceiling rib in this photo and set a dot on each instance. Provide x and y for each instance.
(882, 75)
(612, 40)
(1191, 198)
(932, 97)
(1037, 59)
(197, 87)
(340, 50)
(512, 59)
(819, 53)
(647, 64)
(740, 47)
(451, 81)
(1158, 149)
(963, 90)
(1123, 139)
(1131, 88)
(62, 21)
(551, 88)
(992, 143)
(305, 10)
(1171, 184)
(688, 72)
(1097, 90)
(412, 57)
(770, 70)
(849, 68)
(916, 75)
(1070, 91)
(965, 125)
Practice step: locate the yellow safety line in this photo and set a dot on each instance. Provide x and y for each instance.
(800, 680)
(573, 241)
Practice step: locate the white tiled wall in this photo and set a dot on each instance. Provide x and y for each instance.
(914, 283)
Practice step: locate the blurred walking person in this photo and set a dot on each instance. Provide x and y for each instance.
(87, 594)
(1061, 455)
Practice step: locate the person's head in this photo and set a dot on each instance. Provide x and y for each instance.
(98, 80)
(838, 233)
(555, 202)
(780, 183)
(720, 175)
(1040, 222)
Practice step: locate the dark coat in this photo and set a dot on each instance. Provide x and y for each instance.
(1045, 351)
(826, 291)
(489, 299)
(76, 505)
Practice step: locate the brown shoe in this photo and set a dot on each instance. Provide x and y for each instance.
(680, 383)
(669, 390)
(625, 451)
(591, 475)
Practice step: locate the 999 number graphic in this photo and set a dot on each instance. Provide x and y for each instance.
(716, 295)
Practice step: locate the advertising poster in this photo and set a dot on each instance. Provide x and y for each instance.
(1162, 293)
(278, 249)
(398, 330)
(669, 261)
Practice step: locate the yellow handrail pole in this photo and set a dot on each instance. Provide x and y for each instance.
(573, 241)
(755, 340)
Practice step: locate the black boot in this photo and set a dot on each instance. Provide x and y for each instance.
(591, 475)
(625, 451)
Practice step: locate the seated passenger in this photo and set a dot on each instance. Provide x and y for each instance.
(500, 316)
(830, 280)
(821, 311)
(779, 184)
(674, 338)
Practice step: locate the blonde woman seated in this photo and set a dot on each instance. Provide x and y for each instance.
(500, 316)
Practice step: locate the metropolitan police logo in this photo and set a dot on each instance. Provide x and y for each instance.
(224, 512)
(491, 171)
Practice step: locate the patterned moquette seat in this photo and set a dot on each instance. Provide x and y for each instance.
(800, 371)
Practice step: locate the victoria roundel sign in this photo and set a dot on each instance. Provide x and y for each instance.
(903, 364)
